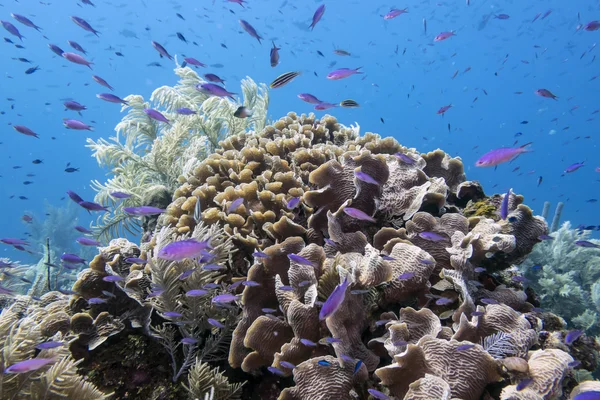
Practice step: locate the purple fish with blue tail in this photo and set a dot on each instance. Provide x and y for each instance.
(342, 73)
(55, 49)
(358, 214)
(77, 59)
(143, 211)
(187, 248)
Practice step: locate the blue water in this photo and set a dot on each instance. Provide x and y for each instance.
(397, 57)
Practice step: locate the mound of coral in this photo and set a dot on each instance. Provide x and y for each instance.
(304, 211)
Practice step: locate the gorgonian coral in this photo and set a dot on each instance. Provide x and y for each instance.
(148, 155)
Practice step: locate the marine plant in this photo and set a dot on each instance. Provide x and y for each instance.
(566, 277)
(146, 153)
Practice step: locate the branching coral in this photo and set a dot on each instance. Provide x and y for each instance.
(565, 277)
(146, 153)
(189, 315)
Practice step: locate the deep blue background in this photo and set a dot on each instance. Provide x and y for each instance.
(505, 56)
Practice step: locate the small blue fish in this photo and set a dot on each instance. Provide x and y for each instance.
(572, 336)
(463, 347)
(196, 292)
(276, 371)
(260, 254)
(359, 363)
(189, 340)
(324, 363)
(215, 323)
(293, 203)
(235, 204)
(406, 275)
(431, 236)
(378, 395)
(49, 345)
(358, 214)
(308, 343)
(225, 298)
(362, 176)
(287, 364)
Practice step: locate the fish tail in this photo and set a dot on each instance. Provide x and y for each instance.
(357, 70)
(524, 147)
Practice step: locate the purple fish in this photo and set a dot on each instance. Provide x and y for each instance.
(287, 364)
(431, 236)
(250, 29)
(49, 345)
(394, 12)
(406, 159)
(504, 205)
(22, 129)
(76, 46)
(84, 25)
(212, 267)
(72, 258)
(586, 243)
(135, 260)
(463, 347)
(502, 155)
(189, 340)
(29, 365)
(477, 313)
(91, 206)
(84, 241)
(317, 16)
(342, 73)
(77, 59)
(55, 49)
(235, 204)
(358, 214)
(96, 300)
(143, 210)
(74, 196)
(161, 50)
(325, 106)
(74, 106)
(156, 115)
(213, 78)
(365, 177)
(120, 195)
(172, 314)
(215, 323)
(300, 260)
(25, 21)
(225, 298)
(309, 98)
(276, 371)
(113, 278)
(193, 61)
(572, 336)
(443, 301)
(573, 167)
(102, 82)
(214, 90)
(274, 55)
(293, 203)
(250, 283)
(185, 111)
(182, 249)
(77, 125)
(111, 98)
(308, 343)
(12, 29)
(260, 254)
(335, 299)
(378, 395)
(406, 275)
(196, 292)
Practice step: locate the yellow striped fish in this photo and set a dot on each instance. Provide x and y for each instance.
(349, 103)
(284, 79)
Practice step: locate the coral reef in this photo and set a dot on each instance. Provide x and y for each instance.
(148, 155)
(327, 265)
(566, 277)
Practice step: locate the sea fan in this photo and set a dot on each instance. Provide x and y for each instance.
(499, 345)
(146, 153)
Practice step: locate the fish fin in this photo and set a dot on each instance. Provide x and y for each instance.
(524, 147)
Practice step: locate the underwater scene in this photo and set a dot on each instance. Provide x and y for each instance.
(299, 200)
